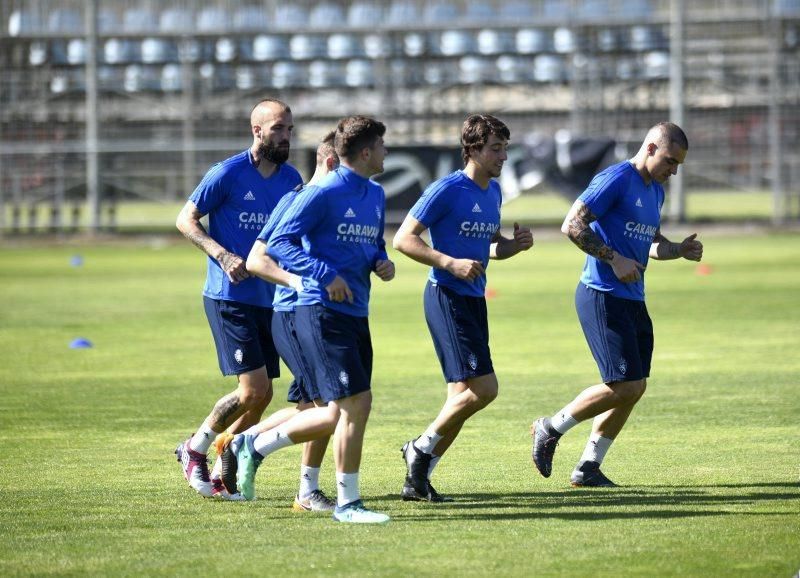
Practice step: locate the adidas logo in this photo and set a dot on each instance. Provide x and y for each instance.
(476, 209)
(350, 214)
(639, 203)
(249, 196)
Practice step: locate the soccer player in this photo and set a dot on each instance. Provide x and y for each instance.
(462, 211)
(332, 236)
(616, 222)
(238, 194)
(302, 390)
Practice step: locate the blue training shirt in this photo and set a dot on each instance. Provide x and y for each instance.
(285, 297)
(628, 215)
(463, 219)
(335, 228)
(238, 202)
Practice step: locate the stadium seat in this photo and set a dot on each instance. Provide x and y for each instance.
(440, 73)
(532, 41)
(326, 15)
(176, 20)
(549, 68)
(594, 11)
(213, 19)
(495, 41)
(58, 52)
(325, 74)
(513, 69)
(120, 51)
(476, 70)
(440, 12)
(307, 46)
(138, 20)
(456, 43)
(607, 40)
(270, 48)
(644, 38)
(251, 18)
(359, 73)
(245, 77)
(287, 74)
(344, 46)
(564, 40)
(787, 8)
(158, 51)
(415, 44)
(109, 78)
(478, 12)
(76, 51)
(364, 15)
(635, 10)
(65, 21)
(402, 14)
(37, 53)
(627, 68)
(59, 82)
(108, 21)
(655, 65)
(22, 23)
(140, 78)
(171, 78)
(195, 50)
(516, 12)
(378, 46)
(224, 49)
(290, 17)
(556, 10)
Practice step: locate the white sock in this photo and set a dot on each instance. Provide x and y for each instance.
(346, 488)
(596, 448)
(271, 441)
(203, 439)
(562, 422)
(434, 460)
(428, 440)
(309, 481)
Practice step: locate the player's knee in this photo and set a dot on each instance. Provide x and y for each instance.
(255, 393)
(631, 391)
(357, 407)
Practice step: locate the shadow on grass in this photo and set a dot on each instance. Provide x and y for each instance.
(609, 503)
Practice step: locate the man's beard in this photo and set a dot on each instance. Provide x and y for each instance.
(274, 153)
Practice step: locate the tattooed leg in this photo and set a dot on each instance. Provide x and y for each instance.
(225, 412)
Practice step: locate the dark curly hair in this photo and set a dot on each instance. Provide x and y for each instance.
(476, 131)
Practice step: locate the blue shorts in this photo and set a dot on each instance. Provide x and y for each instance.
(285, 337)
(459, 326)
(243, 336)
(339, 349)
(619, 333)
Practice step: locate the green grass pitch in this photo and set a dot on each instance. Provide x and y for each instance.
(708, 463)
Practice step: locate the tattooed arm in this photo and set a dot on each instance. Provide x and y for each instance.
(576, 227)
(189, 224)
(663, 249)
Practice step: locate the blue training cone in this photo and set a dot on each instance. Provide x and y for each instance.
(80, 343)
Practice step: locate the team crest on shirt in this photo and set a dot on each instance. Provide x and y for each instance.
(622, 365)
(238, 355)
(344, 379)
(473, 361)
